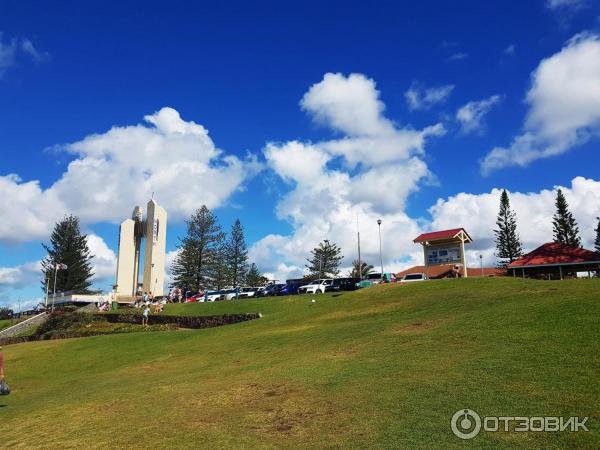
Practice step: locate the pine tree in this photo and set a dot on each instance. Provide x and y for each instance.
(218, 273)
(564, 224)
(236, 255)
(325, 260)
(199, 251)
(69, 247)
(508, 244)
(254, 278)
(597, 240)
(6, 313)
(360, 271)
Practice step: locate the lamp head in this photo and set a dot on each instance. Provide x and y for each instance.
(379, 222)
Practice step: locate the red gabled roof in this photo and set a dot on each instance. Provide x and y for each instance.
(437, 235)
(556, 253)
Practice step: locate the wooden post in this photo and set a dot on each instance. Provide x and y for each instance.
(560, 271)
(464, 258)
(523, 272)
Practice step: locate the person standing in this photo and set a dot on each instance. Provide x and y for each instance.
(145, 315)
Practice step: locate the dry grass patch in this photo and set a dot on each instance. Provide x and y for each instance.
(417, 327)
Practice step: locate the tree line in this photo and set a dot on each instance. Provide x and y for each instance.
(209, 258)
(565, 229)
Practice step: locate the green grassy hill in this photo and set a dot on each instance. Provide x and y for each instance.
(384, 367)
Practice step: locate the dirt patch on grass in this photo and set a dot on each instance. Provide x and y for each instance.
(416, 327)
(367, 311)
(343, 353)
(271, 412)
(286, 330)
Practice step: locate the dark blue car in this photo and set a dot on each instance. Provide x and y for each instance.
(291, 286)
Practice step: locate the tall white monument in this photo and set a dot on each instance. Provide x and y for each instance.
(131, 233)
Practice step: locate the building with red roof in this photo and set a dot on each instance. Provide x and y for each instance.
(555, 260)
(445, 248)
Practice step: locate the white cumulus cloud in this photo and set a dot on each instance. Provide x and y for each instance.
(564, 106)
(367, 174)
(116, 170)
(478, 212)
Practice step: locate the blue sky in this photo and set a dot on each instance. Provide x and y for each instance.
(254, 76)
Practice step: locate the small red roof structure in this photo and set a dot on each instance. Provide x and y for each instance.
(443, 235)
(555, 254)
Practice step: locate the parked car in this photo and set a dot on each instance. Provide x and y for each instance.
(212, 296)
(229, 294)
(412, 277)
(272, 289)
(292, 286)
(376, 278)
(199, 297)
(343, 284)
(247, 292)
(316, 286)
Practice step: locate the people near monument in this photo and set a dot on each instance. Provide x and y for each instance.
(145, 315)
(1, 365)
(104, 306)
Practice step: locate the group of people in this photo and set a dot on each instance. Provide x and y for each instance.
(145, 301)
(104, 306)
(176, 295)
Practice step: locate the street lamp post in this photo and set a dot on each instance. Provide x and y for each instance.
(57, 267)
(54, 286)
(481, 263)
(380, 253)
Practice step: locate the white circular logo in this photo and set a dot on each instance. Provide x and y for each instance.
(465, 423)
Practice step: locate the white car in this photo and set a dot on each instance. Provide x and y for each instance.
(229, 294)
(412, 277)
(315, 287)
(213, 296)
(246, 292)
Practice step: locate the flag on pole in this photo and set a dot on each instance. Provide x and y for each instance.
(61, 266)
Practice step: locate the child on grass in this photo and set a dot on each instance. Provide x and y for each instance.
(145, 316)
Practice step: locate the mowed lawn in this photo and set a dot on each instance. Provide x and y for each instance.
(384, 367)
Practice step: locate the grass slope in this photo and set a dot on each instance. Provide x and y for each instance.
(384, 367)
(5, 323)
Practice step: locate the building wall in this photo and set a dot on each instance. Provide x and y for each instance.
(126, 263)
(155, 251)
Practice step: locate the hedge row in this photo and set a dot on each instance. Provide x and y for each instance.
(182, 321)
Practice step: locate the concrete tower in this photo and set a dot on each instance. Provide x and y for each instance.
(155, 252)
(131, 233)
